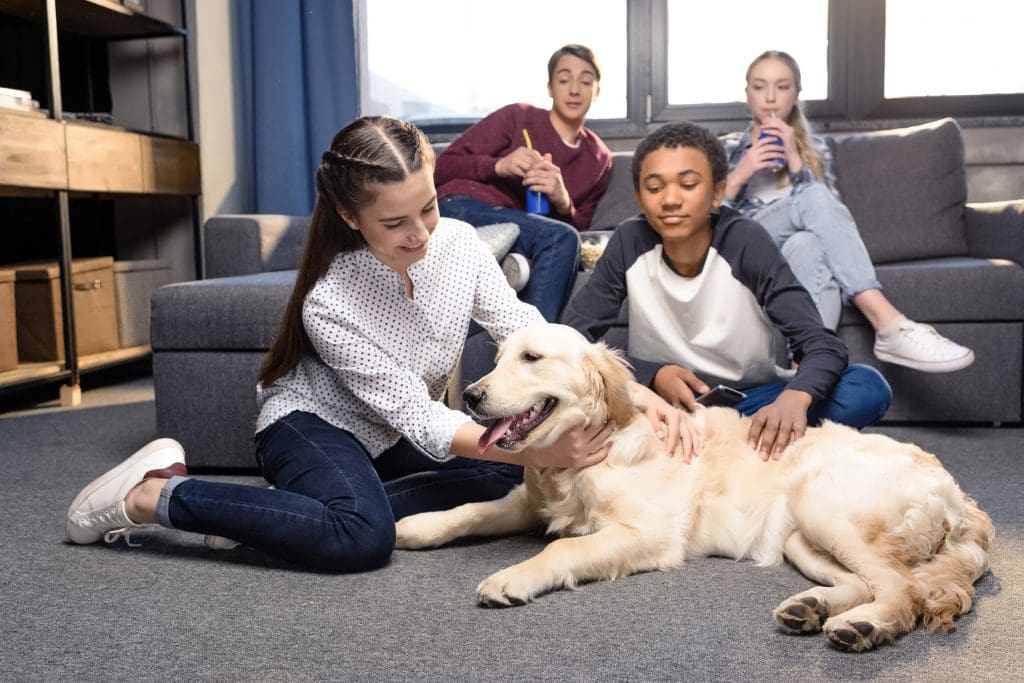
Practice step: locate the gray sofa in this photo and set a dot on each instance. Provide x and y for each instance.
(957, 266)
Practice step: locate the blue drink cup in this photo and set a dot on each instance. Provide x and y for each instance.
(775, 140)
(537, 202)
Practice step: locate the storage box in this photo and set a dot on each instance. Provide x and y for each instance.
(134, 284)
(38, 302)
(8, 330)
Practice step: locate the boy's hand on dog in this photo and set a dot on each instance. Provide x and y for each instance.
(779, 423)
(677, 386)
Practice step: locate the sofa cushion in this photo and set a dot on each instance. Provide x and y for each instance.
(499, 237)
(243, 312)
(619, 201)
(958, 289)
(906, 188)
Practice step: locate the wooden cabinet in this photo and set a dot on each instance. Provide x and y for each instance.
(52, 158)
(32, 152)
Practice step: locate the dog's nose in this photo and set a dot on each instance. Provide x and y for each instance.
(472, 396)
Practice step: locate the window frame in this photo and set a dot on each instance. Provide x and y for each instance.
(661, 111)
(856, 64)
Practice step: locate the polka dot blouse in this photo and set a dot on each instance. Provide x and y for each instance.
(384, 360)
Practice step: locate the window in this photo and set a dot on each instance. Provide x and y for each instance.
(447, 63)
(971, 49)
(710, 46)
(462, 59)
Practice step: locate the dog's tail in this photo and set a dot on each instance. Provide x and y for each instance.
(948, 577)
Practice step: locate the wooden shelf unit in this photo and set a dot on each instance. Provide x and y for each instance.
(33, 373)
(47, 156)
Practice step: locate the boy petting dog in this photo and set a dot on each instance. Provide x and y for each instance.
(707, 290)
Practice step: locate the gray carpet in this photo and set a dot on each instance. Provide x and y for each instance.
(175, 609)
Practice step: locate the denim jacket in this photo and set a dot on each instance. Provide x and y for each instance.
(737, 144)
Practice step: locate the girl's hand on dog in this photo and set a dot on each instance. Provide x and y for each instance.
(691, 435)
(779, 423)
(665, 419)
(577, 448)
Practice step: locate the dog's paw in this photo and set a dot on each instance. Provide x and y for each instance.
(854, 636)
(512, 586)
(424, 530)
(805, 614)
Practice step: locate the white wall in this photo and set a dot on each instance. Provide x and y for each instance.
(223, 156)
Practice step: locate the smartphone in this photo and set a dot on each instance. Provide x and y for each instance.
(721, 396)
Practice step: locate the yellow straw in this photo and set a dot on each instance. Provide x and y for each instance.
(526, 136)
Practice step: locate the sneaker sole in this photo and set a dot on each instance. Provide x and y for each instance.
(516, 269)
(935, 367)
(140, 455)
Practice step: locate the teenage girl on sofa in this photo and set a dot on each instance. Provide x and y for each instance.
(350, 432)
(780, 175)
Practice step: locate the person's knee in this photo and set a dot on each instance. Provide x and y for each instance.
(803, 246)
(566, 236)
(358, 543)
(871, 392)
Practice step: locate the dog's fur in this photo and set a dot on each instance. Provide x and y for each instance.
(880, 524)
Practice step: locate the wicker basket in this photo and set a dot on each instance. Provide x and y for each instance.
(134, 284)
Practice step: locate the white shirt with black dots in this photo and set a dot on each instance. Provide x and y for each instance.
(384, 359)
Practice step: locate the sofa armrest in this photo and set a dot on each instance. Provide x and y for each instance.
(996, 230)
(243, 244)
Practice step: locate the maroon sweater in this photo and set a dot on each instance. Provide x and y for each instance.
(466, 167)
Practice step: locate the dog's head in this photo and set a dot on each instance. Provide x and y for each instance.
(547, 379)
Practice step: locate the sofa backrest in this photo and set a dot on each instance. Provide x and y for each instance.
(242, 244)
(619, 202)
(906, 188)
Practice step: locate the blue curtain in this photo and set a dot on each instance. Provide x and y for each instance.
(299, 87)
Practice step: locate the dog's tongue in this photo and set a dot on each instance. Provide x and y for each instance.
(493, 433)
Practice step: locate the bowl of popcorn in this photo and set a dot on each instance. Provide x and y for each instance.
(592, 244)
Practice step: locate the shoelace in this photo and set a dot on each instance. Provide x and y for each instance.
(112, 515)
(925, 329)
(125, 533)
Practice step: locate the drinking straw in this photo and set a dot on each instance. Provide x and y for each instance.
(526, 136)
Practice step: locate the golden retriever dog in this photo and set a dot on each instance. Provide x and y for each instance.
(879, 524)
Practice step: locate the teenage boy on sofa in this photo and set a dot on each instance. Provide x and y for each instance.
(706, 287)
(483, 176)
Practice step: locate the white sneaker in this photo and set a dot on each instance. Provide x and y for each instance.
(919, 346)
(517, 271)
(98, 511)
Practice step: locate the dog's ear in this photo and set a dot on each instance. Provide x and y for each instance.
(614, 377)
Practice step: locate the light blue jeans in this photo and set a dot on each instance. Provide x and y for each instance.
(819, 239)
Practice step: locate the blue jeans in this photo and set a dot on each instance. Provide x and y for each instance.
(552, 246)
(819, 239)
(860, 398)
(334, 507)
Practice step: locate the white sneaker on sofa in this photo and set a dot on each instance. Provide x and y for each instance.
(919, 346)
(98, 511)
(517, 270)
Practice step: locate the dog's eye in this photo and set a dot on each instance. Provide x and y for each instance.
(530, 357)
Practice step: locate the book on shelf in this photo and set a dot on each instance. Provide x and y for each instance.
(21, 100)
